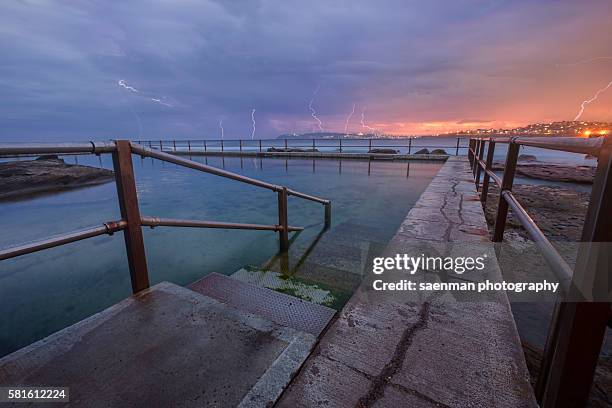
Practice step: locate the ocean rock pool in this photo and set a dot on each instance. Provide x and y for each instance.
(46, 291)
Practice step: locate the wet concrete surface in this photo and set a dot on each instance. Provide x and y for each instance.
(166, 346)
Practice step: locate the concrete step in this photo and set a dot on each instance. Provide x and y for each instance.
(276, 307)
(168, 346)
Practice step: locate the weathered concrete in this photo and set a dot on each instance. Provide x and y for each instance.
(422, 350)
(167, 346)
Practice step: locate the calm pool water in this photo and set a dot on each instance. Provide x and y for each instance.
(43, 292)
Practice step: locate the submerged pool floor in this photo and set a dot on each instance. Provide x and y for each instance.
(44, 292)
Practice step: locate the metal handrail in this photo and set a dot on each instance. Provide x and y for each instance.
(56, 148)
(223, 145)
(569, 357)
(148, 152)
(174, 222)
(132, 221)
(108, 228)
(568, 144)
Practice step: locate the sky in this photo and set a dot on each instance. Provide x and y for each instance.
(176, 69)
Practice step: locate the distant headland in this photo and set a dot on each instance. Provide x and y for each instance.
(563, 128)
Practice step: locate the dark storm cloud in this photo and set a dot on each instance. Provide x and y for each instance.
(61, 63)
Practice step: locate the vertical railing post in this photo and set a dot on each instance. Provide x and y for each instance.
(507, 181)
(475, 157)
(259, 145)
(285, 144)
(205, 148)
(240, 141)
(221, 144)
(327, 214)
(340, 140)
(313, 145)
(409, 145)
(174, 145)
(470, 154)
(486, 177)
(283, 223)
(369, 145)
(457, 148)
(128, 204)
(481, 148)
(572, 352)
(161, 147)
(189, 145)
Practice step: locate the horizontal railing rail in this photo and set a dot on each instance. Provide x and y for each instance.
(108, 228)
(8, 149)
(170, 158)
(261, 145)
(173, 222)
(131, 221)
(577, 329)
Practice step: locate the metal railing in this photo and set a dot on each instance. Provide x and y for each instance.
(132, 221)
(577, 330)
(261, 145)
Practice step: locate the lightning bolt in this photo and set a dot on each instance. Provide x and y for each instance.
(313, 112)
(586, 61)
(122, 83)
(221, 127)
(253, 120)
(363, 121)
(161, 102)
(127, 87)
(592, 99)
(347, 121)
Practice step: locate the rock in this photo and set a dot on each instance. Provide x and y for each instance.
(527, 158)
(49, 157)
(558, 211)
(383, 151)
(47, 174)
(553, 172)
(438, 151)
(422, 151)
(290, 150)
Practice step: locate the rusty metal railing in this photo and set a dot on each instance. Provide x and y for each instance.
(260, 145)
(577, 329)
(132, 221)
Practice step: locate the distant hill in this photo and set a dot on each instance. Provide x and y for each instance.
(328, 135)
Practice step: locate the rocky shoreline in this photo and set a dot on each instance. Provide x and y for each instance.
(559, 212)
(552, 172)
(47, 174)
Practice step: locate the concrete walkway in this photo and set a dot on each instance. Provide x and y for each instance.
(415, 350)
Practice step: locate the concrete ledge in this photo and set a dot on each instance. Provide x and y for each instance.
(422, 350)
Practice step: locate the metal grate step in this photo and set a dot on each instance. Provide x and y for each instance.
(277, 307)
